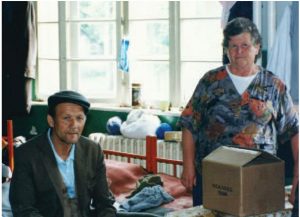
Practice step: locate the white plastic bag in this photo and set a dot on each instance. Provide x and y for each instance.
(139, 124)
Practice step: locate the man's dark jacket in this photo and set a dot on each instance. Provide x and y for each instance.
(36, 188)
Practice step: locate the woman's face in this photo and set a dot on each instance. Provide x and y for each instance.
(241, 51)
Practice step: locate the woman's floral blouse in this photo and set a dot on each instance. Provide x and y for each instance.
(259, 118)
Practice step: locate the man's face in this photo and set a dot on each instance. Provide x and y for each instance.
(67, 124)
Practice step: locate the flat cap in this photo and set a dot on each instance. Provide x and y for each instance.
(67, 96)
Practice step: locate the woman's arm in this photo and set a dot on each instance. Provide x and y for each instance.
(188, 178)
(295, 150)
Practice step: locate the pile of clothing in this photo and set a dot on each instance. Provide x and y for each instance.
(148, 193)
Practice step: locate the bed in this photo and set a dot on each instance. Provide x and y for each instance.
(123, 176)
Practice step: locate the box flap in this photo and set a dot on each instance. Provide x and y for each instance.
(263, 158)
(232, 156)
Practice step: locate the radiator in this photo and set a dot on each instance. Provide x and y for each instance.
(168, 150)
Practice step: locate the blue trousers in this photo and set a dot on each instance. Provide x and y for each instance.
(197, 191)
(295, 211)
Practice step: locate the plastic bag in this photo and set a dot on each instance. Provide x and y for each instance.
(140, 124)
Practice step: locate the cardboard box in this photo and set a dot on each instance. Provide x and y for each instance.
(243, 182)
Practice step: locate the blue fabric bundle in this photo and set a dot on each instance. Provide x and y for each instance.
(147, 198)
(160, 131)
(113, 125)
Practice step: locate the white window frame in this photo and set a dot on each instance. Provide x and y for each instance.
(123, 85)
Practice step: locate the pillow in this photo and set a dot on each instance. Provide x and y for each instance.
(123, 176)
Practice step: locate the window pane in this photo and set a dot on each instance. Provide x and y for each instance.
(47, 11)
(201, 40)
(149, 40)
(148, 9)
(48, 71)
(91, 10)
(191, 74)
(48, 41)
(95, 79)
(154, 78)
(91, 40)
(195, 9)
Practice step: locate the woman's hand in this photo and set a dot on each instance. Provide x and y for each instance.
(188, 178)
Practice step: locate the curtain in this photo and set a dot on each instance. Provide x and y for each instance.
(18, 56)
(280, 55)
(19, 48)
(295, 51)
(238, 9)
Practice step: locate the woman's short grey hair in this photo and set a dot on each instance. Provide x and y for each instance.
(241, 25)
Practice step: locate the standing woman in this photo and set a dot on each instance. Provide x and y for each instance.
(240, 104)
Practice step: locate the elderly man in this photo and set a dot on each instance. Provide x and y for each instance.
(61, 173)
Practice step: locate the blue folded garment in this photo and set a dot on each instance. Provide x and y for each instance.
(147, 198)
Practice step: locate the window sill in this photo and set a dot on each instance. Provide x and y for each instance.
(103, 107)
(114, 108)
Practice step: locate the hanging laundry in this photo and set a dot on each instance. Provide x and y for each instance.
(280, 56)
(226, 6)
(295, 50)
(123, 58)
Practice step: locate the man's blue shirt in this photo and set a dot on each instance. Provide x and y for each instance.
(66, 168)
